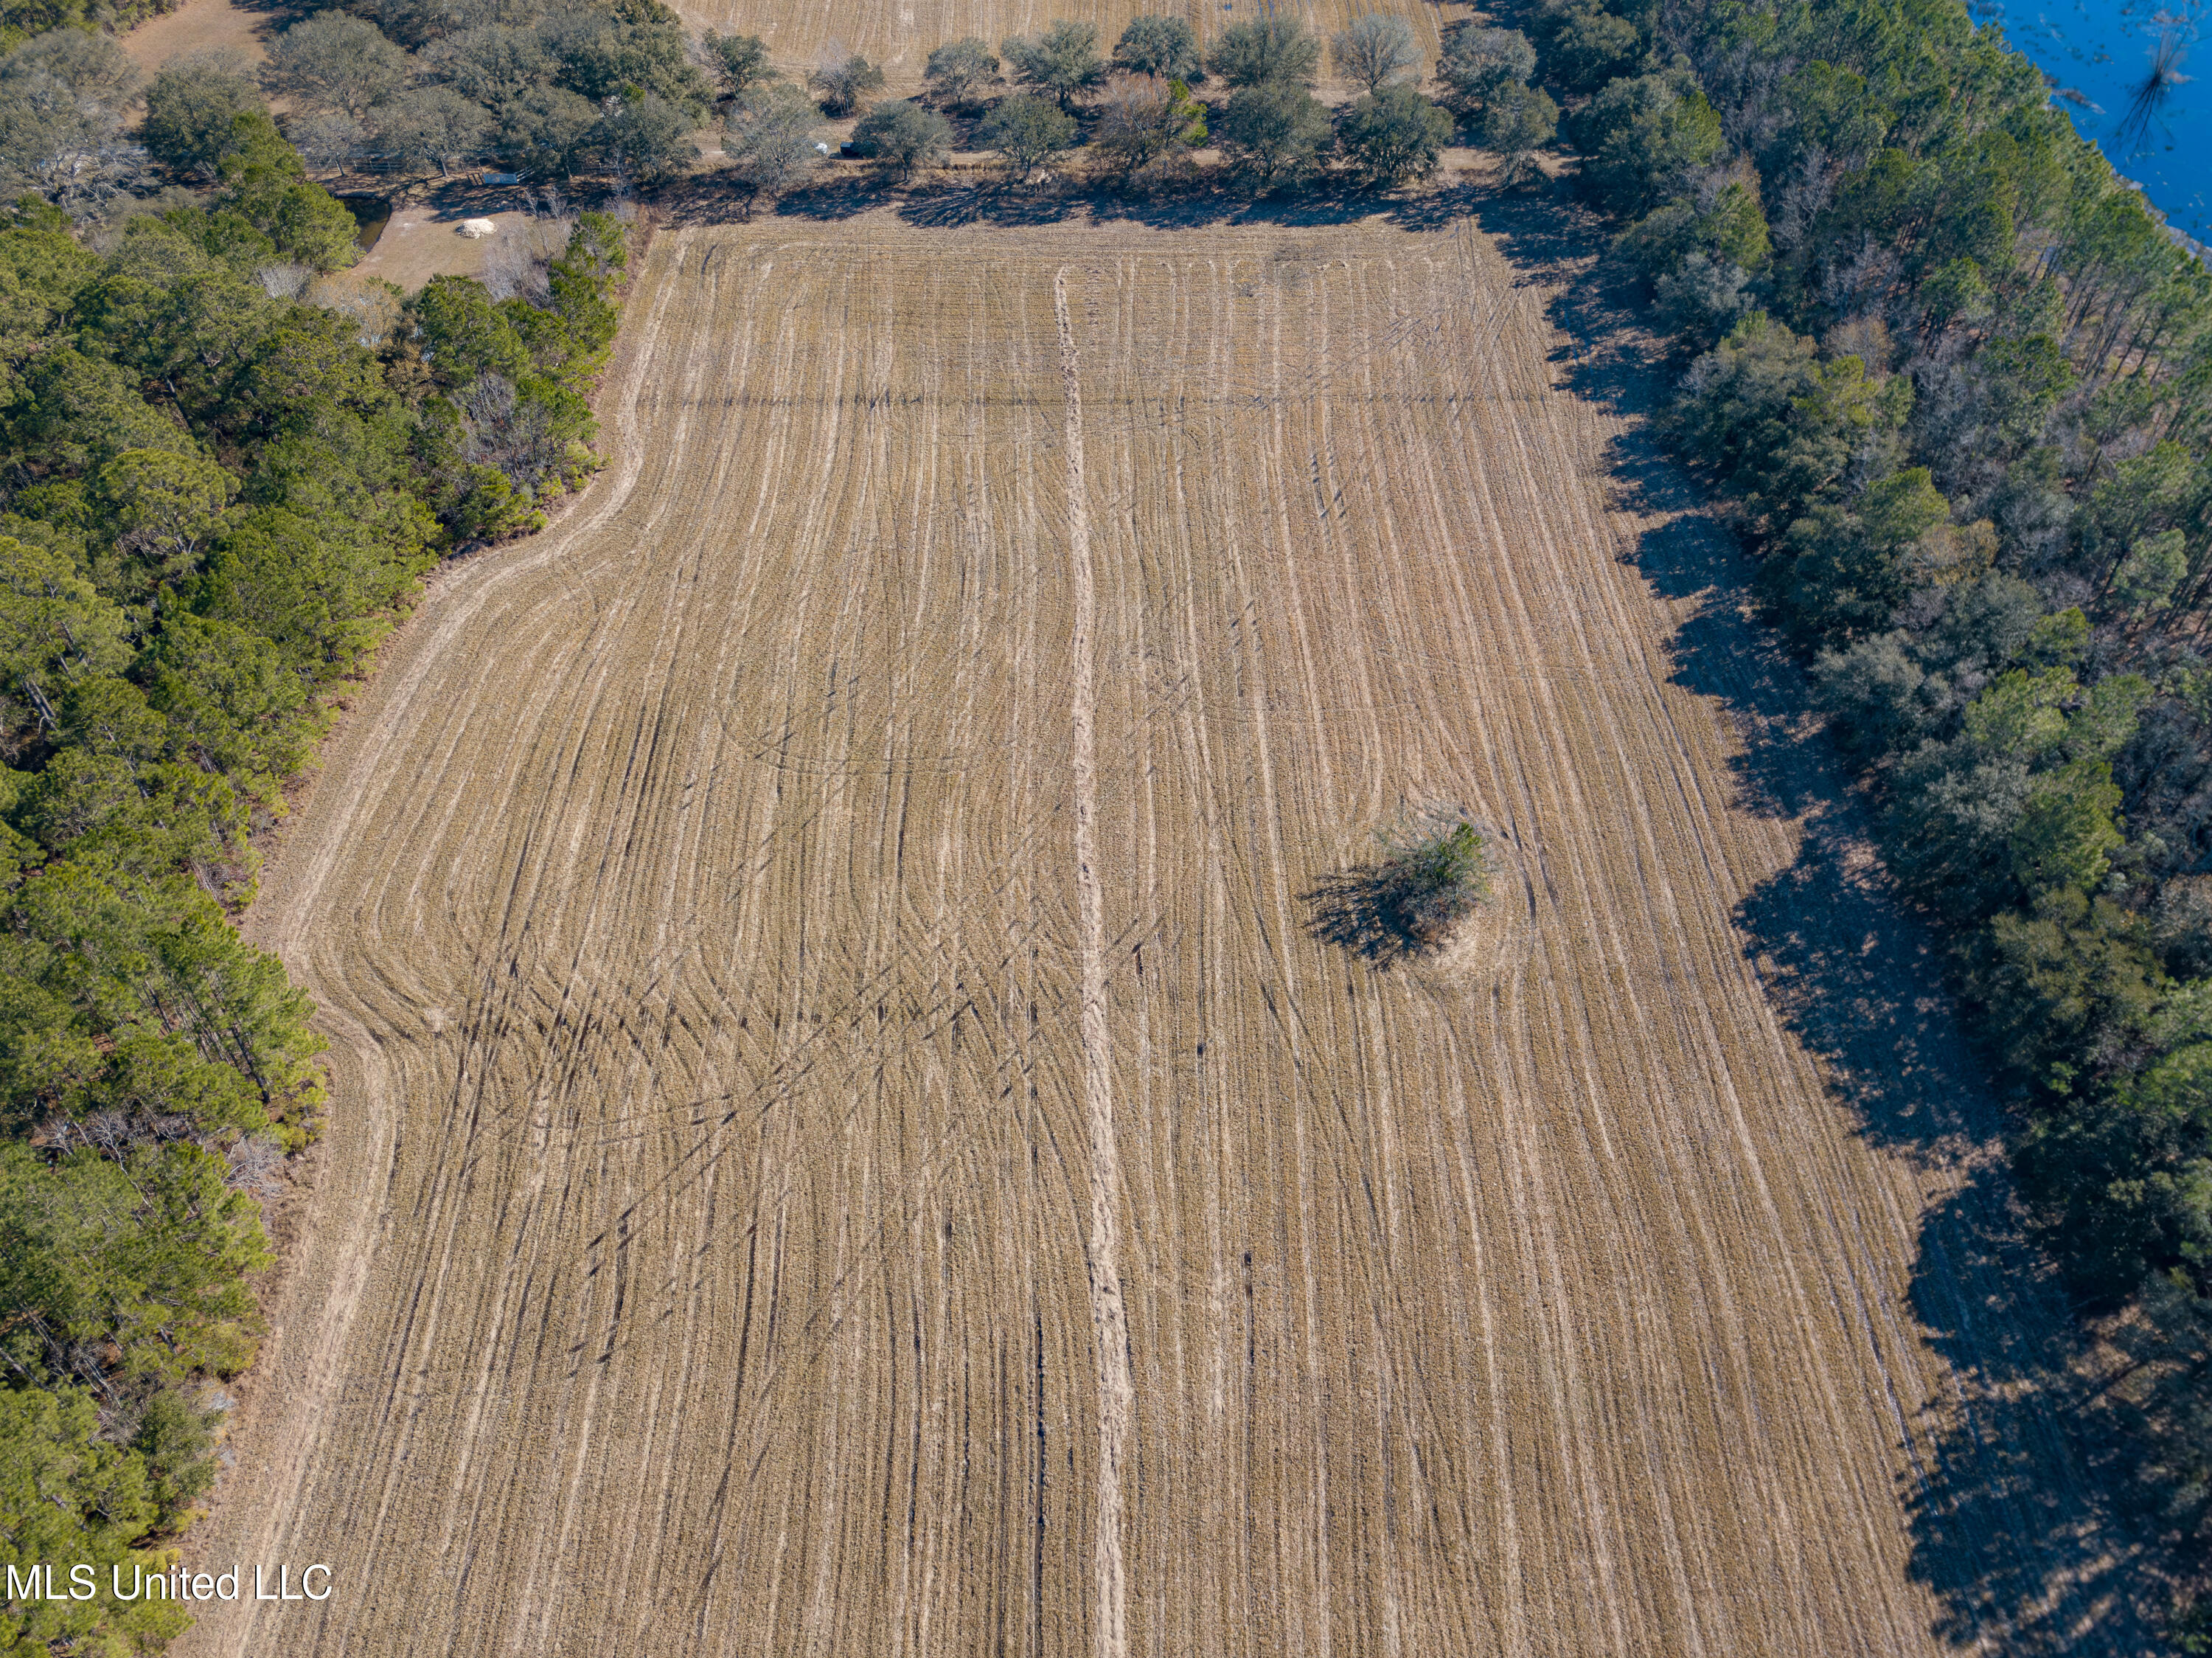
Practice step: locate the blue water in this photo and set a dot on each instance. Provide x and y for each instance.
(2098, 52)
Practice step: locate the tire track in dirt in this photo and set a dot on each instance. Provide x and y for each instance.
(1110, 1328)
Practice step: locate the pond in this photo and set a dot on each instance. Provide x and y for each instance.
(2122, 74)
(370, 215)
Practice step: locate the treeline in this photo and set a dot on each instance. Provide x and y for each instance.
(616, 91)
(21, 19)
(1138, 112)
(223, 470)
(1950, 373)
(608, 90)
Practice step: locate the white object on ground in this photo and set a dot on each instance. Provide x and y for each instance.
(473, 229)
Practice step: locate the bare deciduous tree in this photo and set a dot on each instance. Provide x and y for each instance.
(1376, 50)
(771, 143)
(844, 79)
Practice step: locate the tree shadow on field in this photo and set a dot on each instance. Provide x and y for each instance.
(2021, 1513)
(710, 199)
(997, 201)
(843, 197)
(1356, 909)
(2023, 1523)
(1220, 202)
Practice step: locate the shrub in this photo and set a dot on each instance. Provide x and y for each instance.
(903, 136)
(1480, 63)
(844, 81)
(434, 126)
(1436, 870)
(1277, 131)
(1518, 122)
(645, 139)
(191, 103)
(1376, 50)
(1264, 52)
(1028, 131)
(1161, 47)
(1147, 127)
(958, 71)
(332, 61)
(1396, 134)
(739, 61)
(770, 143)
(1062, 61)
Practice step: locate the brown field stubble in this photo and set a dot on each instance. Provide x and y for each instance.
(763, 921)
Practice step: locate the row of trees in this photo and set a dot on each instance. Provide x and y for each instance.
(608, 90)
(222, 472)
(548, 91)
(1951, 374)
(1137, 108)
(23, 19)
(619, 90)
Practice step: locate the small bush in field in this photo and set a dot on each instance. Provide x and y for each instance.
(1435, 872)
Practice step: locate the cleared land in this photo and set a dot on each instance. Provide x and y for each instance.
(849, 1139)
(200, 26)
(423, 238)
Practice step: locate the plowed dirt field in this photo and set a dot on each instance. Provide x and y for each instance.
(853, 1136)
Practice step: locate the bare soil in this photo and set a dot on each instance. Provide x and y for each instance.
(853, 1133)
(203, 26)
(423, 240)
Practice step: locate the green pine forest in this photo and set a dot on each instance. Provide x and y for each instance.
(215, 499)
(1947, 376)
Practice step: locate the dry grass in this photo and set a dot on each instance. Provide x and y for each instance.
(837, 1089)
(423, 241)
(200, 26)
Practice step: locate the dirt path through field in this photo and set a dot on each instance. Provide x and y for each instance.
(855, 1132)
(1109, 1325)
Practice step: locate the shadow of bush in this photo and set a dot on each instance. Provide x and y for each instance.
(1358, 910)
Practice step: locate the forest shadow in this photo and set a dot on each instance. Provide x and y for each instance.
(2023, 1519)
(843, 198)
(1330, 202)
(1356, 909)
(997, 203)
(2024, 1524)
(710, 199)
(1554, 240)
(1860, 985)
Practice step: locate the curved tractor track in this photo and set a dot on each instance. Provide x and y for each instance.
(851, 1136)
